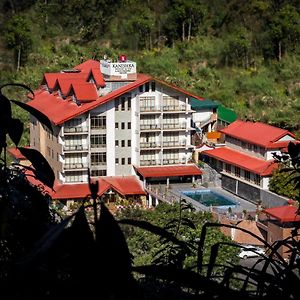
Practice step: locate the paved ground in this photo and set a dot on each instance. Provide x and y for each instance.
(176, 192)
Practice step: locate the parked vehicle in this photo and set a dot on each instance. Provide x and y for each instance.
(250, 251)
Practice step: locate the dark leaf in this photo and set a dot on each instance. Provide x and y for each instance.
(15, 130)
(115, 258)
(39, 115)
(42, 169)
(188, 222)
(94, 186)
(19, 85)
(5, 115)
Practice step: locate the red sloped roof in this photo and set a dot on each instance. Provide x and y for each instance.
(127, 185)
(244, 161)
(85, 92)
(60, 111)
(287, 213)
(169, 171)
(257, 133)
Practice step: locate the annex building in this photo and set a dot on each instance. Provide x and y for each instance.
(245, 161)
(110, 119)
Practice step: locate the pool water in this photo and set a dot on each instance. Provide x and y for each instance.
(209, 198)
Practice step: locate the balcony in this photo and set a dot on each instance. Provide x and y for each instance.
(75, 166)
(150, 109)
(174, 126)
(174, 108)
(75, 130)
(174, 144)
(95, 146)
(147, 127)
(170, 161)
(149, 145)
(149, 162)
(75, 148)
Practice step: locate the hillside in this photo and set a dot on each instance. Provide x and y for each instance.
(244, 54)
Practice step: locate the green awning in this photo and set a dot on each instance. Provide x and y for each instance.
(200, 104)
(226, 114)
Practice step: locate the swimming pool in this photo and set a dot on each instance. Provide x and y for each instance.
(210, 198)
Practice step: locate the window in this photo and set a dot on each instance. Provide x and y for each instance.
(247, 175)
(141, 88)
(129, 160)
(237, 171)
(117, 103)
(52, 153)
(129, 125)
(96, 173)
(98, 140)
(123, 160)
(123, 125)
(117, 125)
(123, 143)
(48, 151)
(117, 161)
(98, 122)
(116, 143)
(256, 179)
(98, 158)
(153, 86)
(128, 103)
(228, 168)
(147, 87)
(129, 143)
(74, 176)
(123, 103)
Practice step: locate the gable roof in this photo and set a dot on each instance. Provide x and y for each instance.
(59, 110)
(124, 185)
(257, 133)
(286, 213)
(168, 171)
(255, 165)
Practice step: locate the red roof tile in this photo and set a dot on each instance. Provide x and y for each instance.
(287, 213)
(127, 185)
(169, 171)
(257, 133)
(244, 161)
(15, 152)
(60, 111)
(85, 92)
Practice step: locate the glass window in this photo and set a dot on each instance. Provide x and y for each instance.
(123, 160)
(98, 158)
(237, 171)
(116, 143)
(147, 87)
(98, 140)
(117, 103)
(117, 161)
(123, 103)
(153, 86)
(129, 125)
(247, 175)
(129, 160)
(117, 125)
(123, 125)
(98, 122)
(129, 143)
(228, 168)
(123, 143)
(98, 173)
(128, 103)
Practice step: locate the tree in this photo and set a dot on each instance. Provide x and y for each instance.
(18, 38)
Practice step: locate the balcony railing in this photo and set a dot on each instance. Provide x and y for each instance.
(98, 145)
(150, 127)
(149, 162)
(150, 145)
(73, 130)
(174, 126)
(75, 147)
(170, 161)
(174, 143)
(75, 166)
(174, 108)
(153, 108)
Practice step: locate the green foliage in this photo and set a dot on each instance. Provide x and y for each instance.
(145, 246)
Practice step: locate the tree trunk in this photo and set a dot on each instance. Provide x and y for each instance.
(189, 30)
(183, 31)
(279, 51)
(19, 59)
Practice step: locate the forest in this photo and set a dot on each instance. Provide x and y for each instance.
(242, 53)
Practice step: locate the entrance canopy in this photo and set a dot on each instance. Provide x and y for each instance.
(169, 171)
